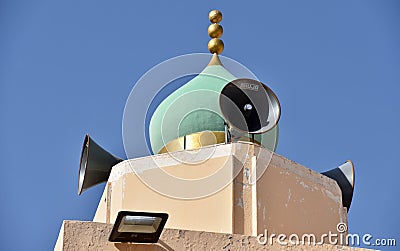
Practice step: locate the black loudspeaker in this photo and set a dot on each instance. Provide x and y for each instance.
(344, 176)
(250, 106)
(95, 165)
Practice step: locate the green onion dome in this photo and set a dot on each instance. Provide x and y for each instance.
(194, 108)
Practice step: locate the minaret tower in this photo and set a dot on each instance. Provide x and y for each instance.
(213, 172)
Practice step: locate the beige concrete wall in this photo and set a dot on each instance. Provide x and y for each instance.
(127, 192)
(88, 236)
(101, 211)
(294, 199)
(287, 198)
(213, 213)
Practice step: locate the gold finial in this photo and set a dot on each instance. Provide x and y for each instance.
(215, 16)
(215, 30)
(216, 45)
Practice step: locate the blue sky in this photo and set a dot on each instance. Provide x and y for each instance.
(67, 68)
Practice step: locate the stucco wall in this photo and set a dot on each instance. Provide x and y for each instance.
(287, 197)
(80, 235)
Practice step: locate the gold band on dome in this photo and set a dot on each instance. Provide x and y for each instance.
(197, 140)
(194, 141)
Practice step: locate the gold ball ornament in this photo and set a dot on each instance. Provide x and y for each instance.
(215, 30)
(216, 45)
(215, 16)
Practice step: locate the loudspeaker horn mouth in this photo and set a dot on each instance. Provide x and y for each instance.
(249, 106)
(82, 163)
(344, 176)
(95, 164)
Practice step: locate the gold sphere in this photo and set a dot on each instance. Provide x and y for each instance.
(216, 45)
(215, 30)
(215, 16)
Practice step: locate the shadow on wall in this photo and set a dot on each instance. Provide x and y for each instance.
(160, 246)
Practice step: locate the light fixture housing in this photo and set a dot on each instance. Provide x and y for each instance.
(139, 227)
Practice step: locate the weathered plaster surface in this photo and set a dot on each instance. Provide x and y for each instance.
(287, 197)
(80, 235)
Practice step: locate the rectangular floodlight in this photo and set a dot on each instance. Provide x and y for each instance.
(140, 227)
